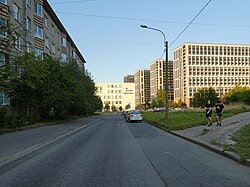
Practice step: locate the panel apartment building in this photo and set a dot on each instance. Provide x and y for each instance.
(201, 65)
(35, 27)
(142, 87)
(158, 78)
(117, 94)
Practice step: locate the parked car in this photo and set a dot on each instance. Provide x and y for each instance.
(134, 115)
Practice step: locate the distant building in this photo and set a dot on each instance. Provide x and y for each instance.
(142, 87)
(117, 94)
(200, 65)
(158, 78)
(129, 78)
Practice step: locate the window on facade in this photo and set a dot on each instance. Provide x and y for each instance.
(39, 9)
(3, 1)
(17, 41)
(2, 59)
(63, 42)
(4, 99)
(46, 22)
(53, 30)
(74, 54)
(16, 12)
(39, 52)
(3, 22)
(28, 47)
(53, 48)
(38, 31)
(64, 57)
(28, 24)
(28, 2)
(46, 42)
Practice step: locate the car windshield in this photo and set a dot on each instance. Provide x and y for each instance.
(135, 112)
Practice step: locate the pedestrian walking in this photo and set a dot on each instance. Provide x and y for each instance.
(208, 109)
(218, 113)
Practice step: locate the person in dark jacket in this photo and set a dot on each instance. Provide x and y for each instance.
(218, 113)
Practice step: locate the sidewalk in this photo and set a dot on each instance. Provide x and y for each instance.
(16, 145)
(206, 136)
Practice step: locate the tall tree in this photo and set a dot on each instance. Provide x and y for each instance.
(202, 96)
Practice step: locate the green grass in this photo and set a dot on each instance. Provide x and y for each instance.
(242, 147)
(190, 118)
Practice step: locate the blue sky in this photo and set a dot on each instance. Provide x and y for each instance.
(108, 33)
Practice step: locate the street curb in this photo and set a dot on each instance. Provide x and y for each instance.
(41, 145)
(210, 147)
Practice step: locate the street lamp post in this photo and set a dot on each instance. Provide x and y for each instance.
(166, 47)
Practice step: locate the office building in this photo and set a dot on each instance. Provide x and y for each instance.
(117, 95)
(142, 88)
(35, 27)
(158, 78)
(129, 78)
(200, 65)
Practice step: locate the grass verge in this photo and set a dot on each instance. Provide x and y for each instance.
(242, 147)
(190, 118)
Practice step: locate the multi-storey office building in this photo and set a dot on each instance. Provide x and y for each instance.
(200, 65)
(117, 94)
(129, 78)
(142, 87)
(35, 27)
(158, 77)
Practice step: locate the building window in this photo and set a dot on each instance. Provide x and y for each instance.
(2, 59)
(4, 100)
(17, 42)
(53, 30)
(46, 42)
(28, 24)
(38, 32)
(64, 42)
(39, 52)
(28, 2)
(16, 12)
(3, 22)
(53, 48)
(46, 22)
(74, 54)
(39, 9)
(3, 1)
(28, 47)
(64, 57)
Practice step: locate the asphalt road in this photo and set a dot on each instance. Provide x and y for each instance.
(113, 152)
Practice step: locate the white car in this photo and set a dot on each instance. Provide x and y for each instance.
(134, 115)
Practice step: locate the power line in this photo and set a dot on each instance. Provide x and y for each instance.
(151, 20)
(190, 22)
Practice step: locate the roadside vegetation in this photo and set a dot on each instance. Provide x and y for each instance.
(178, 120)
(242, 147)
(42, 90)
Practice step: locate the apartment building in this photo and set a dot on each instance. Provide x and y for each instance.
(158, 78)
(129, 78)
(117, 94)
(201, 65)
(142, 87)
(35, 27)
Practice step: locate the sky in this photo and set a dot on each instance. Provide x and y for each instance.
(109, 36)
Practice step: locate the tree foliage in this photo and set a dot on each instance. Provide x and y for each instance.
(202, 96)
(238, 94)
(45, 89)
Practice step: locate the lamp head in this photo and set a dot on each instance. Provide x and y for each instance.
(144, 26)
